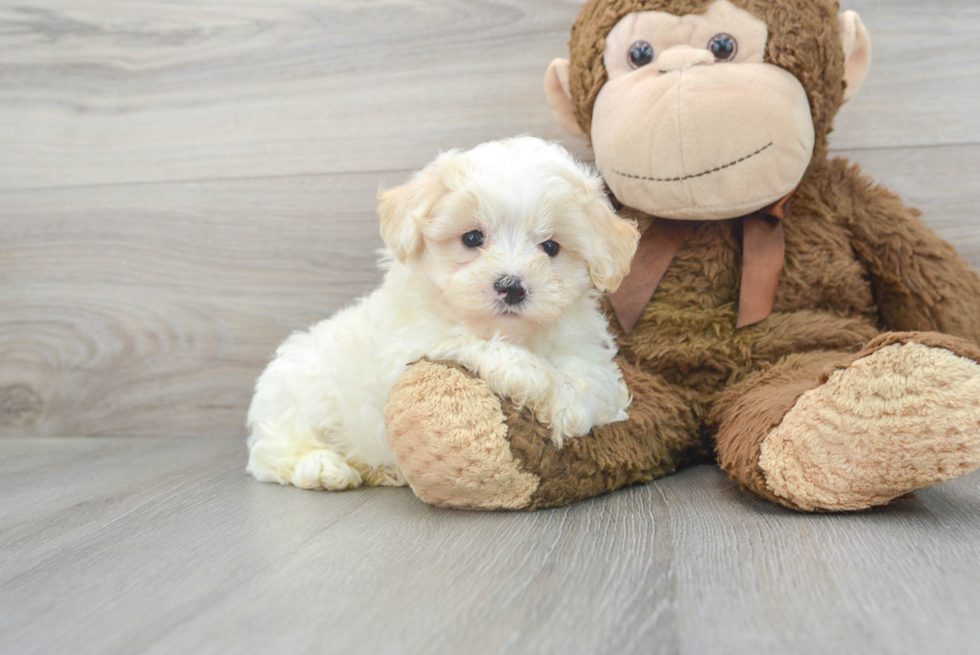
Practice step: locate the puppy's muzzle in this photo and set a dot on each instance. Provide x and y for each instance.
(510, 289)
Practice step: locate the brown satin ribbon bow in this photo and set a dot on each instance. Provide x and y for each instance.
(763, 250)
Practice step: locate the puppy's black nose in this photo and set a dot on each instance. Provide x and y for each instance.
(510, 290)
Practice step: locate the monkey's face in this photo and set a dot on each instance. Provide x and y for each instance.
(692, 123)
(707, 115)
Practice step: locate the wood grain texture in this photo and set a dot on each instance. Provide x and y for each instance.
(110, 92)
(163, 546)
(153, 313)
(126, 91)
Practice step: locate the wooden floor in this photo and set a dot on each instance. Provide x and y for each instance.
(157, 545)
(184, 183)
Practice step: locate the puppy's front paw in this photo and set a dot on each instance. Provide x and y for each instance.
(565, 425)
(565, 409)
(517, 374)
(316, 467)
(580, 401)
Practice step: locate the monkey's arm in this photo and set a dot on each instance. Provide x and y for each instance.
(459, 445)
(919, 280)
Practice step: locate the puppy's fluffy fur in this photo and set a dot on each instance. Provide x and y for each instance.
(317, 417)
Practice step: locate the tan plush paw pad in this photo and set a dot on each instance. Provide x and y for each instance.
(900, 419)
(448, 434)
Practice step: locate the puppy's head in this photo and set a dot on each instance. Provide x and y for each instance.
(508, 235)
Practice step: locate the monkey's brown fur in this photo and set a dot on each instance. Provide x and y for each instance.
(859, 267)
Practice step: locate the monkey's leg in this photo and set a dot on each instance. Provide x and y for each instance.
(838, 432)
(460, 446)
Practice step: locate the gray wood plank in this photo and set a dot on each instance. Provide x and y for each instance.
(150, 309)
(920, 91)
(98, 92)
(128, 91)
(164, 545)
(901, 579)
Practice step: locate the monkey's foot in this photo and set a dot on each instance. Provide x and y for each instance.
(448, 432)
(904, 417)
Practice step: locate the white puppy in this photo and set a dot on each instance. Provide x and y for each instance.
(494, 258)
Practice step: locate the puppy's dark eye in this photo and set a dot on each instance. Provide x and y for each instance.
(641, 54)
(723, 47)
(473, 239)
(550, 248)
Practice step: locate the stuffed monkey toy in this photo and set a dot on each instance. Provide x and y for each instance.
(783, 316)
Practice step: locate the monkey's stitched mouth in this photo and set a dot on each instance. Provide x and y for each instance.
(691, 177)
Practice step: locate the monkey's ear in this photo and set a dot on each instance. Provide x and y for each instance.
(560, 98)
(405, 208)
(857, 51)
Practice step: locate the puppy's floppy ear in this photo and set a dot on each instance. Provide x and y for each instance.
(613, 242)
(404, 209)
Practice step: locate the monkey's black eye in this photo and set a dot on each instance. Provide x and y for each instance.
(473, 239)
(723, 47)
(641, 54)
(550, 248)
